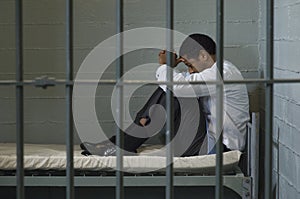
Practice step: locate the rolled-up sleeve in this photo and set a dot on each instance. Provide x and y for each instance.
(184, 90)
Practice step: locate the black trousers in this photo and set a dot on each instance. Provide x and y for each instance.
(131, 143)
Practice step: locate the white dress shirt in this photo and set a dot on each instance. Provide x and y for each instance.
(236, 103)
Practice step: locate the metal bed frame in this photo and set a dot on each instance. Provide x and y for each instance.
(236, 182)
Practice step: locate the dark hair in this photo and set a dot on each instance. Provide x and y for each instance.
(192, 45)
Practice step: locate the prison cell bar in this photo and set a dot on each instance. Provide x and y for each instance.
(19, 100)
(219, 102)
(119, 73)
(69, 90)
(269, 99)
(131, 82)
(169, 101)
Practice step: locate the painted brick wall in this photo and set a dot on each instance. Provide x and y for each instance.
(286, 170)
(44, 44)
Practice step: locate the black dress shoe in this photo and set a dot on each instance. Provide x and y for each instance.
(89, 145)
(85, 145)
(85, 153)
(110, 151)
(105, 150)
(101, 149)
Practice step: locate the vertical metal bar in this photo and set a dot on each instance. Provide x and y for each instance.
(69, 88)
(19, 100)
(254, 150)
(249, 145)
(269, 99)
(119, 73)
(219, 101)
(169, 102)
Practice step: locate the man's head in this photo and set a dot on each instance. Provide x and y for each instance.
(198, 51)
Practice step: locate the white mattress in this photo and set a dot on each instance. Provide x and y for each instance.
(46, 157)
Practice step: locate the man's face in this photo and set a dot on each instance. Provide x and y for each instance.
(194, 65)
(202, 62)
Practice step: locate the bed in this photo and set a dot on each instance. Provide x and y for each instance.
(45, 166)
(53, 157)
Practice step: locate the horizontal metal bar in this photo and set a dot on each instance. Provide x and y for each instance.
(234, 182)
(104, 181)
(128, 82)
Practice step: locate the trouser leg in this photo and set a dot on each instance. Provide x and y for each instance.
(195, 143)
(131, 143)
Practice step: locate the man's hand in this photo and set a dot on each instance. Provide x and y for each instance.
(143, 121)
(162, 58)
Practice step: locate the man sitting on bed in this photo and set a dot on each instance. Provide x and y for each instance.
(198, 52)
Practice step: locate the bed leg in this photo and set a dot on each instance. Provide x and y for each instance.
(247, 184)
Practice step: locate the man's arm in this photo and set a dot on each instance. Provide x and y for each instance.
(186, 90)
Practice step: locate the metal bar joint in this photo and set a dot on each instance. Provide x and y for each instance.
(44, 81)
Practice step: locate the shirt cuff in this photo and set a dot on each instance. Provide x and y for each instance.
(161, 75)
(161, 72)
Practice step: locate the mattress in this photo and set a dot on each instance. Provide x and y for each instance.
(53, 157)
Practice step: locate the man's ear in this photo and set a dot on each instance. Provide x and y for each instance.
(203, 55)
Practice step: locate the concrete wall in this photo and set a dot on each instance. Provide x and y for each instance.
(286, 169)
(44, 45)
